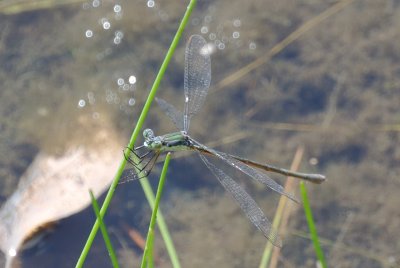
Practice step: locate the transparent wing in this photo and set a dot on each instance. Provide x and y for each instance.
(256, 175)
(197, 77)
(246, 203)
(251, 172)
(174, 114)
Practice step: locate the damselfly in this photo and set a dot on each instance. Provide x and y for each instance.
(196, 84)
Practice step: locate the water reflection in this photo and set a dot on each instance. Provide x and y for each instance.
(47, 72)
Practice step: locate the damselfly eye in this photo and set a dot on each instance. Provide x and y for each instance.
(148, 133)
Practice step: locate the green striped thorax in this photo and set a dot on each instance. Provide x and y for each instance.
(176, 141)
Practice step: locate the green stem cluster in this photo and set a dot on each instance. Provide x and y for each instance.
(146, 186)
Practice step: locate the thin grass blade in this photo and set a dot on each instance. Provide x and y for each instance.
(148, 250)
(270, 255)
(111, 251)
(311, 225)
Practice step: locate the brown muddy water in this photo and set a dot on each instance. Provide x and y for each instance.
(71, 72)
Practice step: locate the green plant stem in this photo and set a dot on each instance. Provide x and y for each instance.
(104, 232)
(148, 250)
(161, 224)
(311, 225)
(134, 136)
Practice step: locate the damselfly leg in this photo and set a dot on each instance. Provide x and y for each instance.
(142, 160)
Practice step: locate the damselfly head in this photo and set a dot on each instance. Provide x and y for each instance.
(148, 134)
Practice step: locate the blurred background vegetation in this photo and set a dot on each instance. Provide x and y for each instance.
(334, 90)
